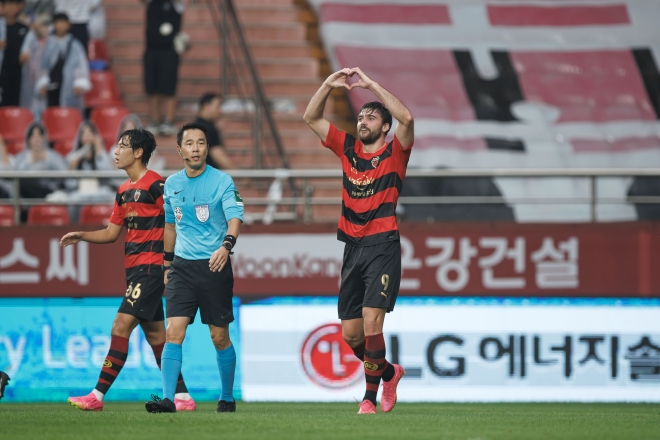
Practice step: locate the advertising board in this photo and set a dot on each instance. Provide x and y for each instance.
(613, 260)
(460, 349)
(53, 348)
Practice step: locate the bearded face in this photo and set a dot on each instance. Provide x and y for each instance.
(370, 126)
(367, 137)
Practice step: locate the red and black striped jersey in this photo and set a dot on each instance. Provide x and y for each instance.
(372, 184)
(139, 207)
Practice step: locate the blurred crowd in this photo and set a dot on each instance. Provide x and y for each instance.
(48, 81)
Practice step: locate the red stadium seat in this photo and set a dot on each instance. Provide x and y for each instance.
(6, 215)
(15, 147)
(62, 123)
(97, 50)
(63, 147)
(13, 122)
(95, 215)
(104, 92)
(107, 120)
(51, 215)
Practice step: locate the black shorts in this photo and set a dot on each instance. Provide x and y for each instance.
(370, 277)
(192, 285)
(144, 298)
(161, 70)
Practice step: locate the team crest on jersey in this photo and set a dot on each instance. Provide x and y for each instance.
(136, 196)
(202, 212)
(374, 161)
(178, 213)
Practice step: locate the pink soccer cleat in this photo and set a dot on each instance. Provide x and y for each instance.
(185, 405)
(367, 407)
(388, 399)
(86, 403)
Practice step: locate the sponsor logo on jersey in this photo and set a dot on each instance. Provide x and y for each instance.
(328, 361)
(178, 213)
(202, 212)
(362, 182)
(107, 364)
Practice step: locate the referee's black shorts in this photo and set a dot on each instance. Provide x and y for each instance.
(370, 277)
(191, 285)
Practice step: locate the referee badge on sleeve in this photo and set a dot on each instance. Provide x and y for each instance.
(178, 213)
(239, 200)
(202, 212)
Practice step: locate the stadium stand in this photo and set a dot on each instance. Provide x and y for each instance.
(63, 147)
(107, 120)
(13, 122)
(95, 215)
(284, 42)
(6, 215)
(512, 86)
(62, 123)
(51, 215)
(104, 90)
(97, 50)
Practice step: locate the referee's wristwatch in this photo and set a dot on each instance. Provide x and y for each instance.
(227, 246)
(165, 267)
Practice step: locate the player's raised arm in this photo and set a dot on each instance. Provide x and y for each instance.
(107, 235)
(314, 112)
(405, 130)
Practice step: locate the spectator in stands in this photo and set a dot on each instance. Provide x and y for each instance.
(31, 55)
(38, 156)
(38, 7)
(96, 23)
(131, 122)
(79, 12)
(88, 153)
(161, 62)
(64, 69)
(208, 116)
(5, 164)
(11, 70)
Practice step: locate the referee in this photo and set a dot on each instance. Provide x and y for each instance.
(203, 216)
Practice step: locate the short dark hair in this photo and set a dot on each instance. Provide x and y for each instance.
(61, 16)
(141, 138)
(207, 98)
(191, 126)
(378, 107)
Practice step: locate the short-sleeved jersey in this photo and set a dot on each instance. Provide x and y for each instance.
(200, 207)
(139, 207)
(372, 184)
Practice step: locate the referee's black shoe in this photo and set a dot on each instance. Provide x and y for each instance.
(224, 406)
(4, 379)
(158, 405)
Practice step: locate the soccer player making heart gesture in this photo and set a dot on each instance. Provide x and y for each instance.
(373, 177)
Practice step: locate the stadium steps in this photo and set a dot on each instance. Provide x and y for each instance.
(284, 40)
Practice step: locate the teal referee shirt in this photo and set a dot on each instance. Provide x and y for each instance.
(201, 207)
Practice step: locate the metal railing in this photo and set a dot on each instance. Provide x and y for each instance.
(301, 206)
(240, 79)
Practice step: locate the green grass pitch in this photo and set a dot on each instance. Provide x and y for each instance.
(335, 421)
